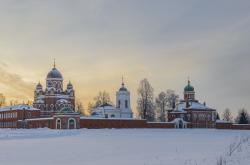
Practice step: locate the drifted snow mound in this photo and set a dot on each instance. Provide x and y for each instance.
(123, 147)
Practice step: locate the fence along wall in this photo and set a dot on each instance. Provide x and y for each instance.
(121, 123)
(232, 126)
(118, 123)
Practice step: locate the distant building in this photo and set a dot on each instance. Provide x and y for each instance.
(122, 108)
(53, 98)
(54, 108)
(189, 110)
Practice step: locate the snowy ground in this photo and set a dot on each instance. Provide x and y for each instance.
(122, 147)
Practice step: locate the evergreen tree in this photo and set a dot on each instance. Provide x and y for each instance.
(243, 117)
(217, 116)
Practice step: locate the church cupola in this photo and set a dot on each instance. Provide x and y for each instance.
(54, 81)
(189, 88)
(39, 90)
(39, 86)
(69, 86)
(123, 87)
(189, 93)
(70, 90)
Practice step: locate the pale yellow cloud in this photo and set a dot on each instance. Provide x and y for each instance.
(14, 87)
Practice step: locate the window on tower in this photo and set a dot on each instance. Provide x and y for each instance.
(119, 103)
(126, 103)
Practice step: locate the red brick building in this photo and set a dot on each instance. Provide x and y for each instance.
(10, 115)
(190, 110)
(53, 98)
(66, 118)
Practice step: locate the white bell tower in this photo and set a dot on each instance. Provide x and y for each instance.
(123, 102)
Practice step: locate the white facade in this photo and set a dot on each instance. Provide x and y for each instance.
(122, 109)
(106, 111)
(123, 102)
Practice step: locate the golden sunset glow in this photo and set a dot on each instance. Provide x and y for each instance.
(95, 43)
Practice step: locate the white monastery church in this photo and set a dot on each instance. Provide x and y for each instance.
(122, 108)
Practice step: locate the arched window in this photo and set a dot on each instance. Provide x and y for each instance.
(119, 103)
(58, 123)
(126, 103)
(51, 107)
(112, 116)
(71, 123)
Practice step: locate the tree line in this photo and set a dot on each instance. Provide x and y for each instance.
(12, 102)
(156, 109)
(242, 117)
(151, 108)
(148, 107)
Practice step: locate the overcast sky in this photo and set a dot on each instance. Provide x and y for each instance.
(95, 42)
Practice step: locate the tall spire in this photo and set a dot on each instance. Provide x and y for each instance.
(122, 82)
(54, 63)
(123, 86)
(188, 80)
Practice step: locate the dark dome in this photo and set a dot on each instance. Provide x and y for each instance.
(105, 105)
(39, 85)
(54, 73)
(69, 85)
(123, 89)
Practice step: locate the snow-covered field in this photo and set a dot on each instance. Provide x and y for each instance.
(123, 147)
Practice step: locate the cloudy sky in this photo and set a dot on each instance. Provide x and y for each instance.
(95, 42)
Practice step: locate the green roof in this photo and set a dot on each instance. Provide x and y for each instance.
(189, 88)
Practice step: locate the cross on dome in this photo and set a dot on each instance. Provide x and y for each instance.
(123, 86)
(54, 63)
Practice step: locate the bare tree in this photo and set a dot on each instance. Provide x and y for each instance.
(80, 107)
(2, 100)
(227, 115)
(14, 102)
(145, 102)
(29, 102)
(165, 101)
(90, 108)
(102, 98)
(161, 105)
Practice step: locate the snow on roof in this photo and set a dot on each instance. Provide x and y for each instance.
(176, 120)
(105, 108)
(39, 101)
(222, 121)
(40, 97)
(18, 107)
(37, 119)
(181, 107)
(61, 96)
(99, 118)
(62, 101)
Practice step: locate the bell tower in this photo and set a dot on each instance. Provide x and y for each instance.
(123, 102)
